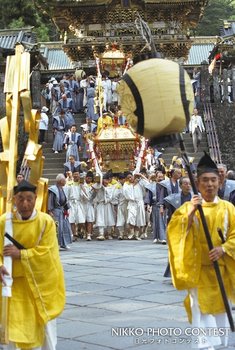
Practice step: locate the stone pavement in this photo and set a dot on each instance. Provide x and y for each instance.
(117, 298)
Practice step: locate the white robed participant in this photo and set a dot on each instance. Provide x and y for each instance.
(88, 195)
(121, 207)
(105, 216)
(114, 92)
(134, 193)
(77, 209)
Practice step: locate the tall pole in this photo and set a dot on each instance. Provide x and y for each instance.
(99, 88)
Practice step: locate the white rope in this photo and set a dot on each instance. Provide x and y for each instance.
(144, 31)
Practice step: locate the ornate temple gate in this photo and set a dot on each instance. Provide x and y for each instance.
(92, 25)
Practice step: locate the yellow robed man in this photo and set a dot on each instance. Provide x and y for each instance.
(38, 291)
(192, 262)
(104, 121)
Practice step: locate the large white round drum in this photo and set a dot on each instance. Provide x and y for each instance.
(80, 74)
(156, 97)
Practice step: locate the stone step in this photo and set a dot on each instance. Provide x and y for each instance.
(170, 152)
(168, 157)
(52, 171)
(54, 163)
(55, 156)
(189, 148)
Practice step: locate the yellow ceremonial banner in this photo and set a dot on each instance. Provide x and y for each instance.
(36, 168)
(15, 78)
(5, 134)
(10, 74)
(9, 105)
(42, 191)
(17, 87)
(24, 79)
(27, 107)
(2, 203)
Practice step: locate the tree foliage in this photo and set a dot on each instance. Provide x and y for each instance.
(215, 12)
(23, 13)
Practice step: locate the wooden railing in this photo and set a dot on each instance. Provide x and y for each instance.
(212, 137)
(223, 86)
(218, 87)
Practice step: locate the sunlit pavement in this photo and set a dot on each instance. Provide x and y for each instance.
(117, 298)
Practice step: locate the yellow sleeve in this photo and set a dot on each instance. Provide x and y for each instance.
(2, 232)
(44, 273)
(229, 244)
(229, 257)
(184, 250)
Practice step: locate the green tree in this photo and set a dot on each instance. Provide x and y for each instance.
(16, 23)
(23, 13)
(215, 12)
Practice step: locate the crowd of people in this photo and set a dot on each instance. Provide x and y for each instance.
(70, 95)
(87, 203)
(127, 205)
(79, 93)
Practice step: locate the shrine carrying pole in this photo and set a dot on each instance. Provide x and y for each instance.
(99, 88)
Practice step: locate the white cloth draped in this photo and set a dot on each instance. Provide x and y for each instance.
(207, 321)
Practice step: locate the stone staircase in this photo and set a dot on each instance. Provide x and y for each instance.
(170, 152)
(54, 163)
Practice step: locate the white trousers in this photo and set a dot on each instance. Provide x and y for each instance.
(49, 342)
(207, 322)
